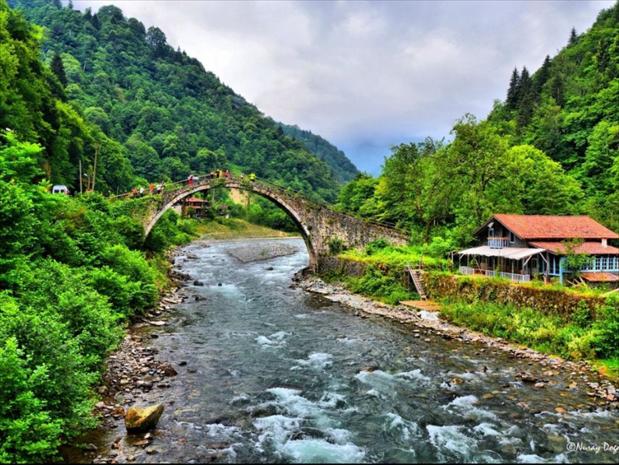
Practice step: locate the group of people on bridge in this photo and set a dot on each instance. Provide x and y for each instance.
(191, 180)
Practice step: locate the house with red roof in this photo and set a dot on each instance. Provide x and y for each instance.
(522, 247)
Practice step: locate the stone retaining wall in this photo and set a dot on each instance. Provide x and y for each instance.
(441, 285)
(546, 300)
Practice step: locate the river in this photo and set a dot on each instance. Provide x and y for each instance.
(271, 373)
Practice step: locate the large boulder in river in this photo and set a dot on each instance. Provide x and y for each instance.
(141, 419)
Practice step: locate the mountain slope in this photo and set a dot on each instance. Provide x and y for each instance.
(171, 115)
(569, 107)
(343, 169)
(34, 106)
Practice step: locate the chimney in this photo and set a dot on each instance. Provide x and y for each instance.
(604, 242)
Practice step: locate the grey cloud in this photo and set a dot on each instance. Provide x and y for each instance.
(367, 75)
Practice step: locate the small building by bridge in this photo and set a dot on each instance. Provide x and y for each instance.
(194, 206)
(522, 247)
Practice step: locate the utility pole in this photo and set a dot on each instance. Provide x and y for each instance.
(80, 164)
(94, 169)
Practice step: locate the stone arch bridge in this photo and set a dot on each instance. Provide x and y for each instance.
(318, 224)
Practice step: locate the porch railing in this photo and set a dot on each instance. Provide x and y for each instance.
(498, 242)
(517, 277)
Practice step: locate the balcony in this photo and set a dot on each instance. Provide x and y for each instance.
(498, 242)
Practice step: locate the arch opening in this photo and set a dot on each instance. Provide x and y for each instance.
(281, 203)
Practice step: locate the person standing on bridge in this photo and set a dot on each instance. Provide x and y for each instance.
(190, 180)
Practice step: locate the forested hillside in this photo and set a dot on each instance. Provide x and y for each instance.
(551, 148)
(169, 114)
(34, 105)
(73, 270)
(569, 108)
(343, 169)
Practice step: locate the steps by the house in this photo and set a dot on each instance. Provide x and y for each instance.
(416, 277)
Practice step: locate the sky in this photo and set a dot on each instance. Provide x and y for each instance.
(366, 75)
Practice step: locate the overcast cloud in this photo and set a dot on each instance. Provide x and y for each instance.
(366, 75)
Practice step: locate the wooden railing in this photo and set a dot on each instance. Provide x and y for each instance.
(517, 277)
(498, 242)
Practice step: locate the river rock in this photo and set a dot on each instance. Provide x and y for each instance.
(198, 283)
(141, 419)
(168, 370)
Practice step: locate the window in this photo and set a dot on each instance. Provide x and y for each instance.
(512, 237)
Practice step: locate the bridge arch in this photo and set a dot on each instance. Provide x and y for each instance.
(271, 194)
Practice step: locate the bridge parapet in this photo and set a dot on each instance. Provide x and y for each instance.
(319, 225)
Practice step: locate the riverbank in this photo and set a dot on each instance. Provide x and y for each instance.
(236, 228)
(599, 387)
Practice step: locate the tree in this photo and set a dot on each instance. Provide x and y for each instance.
(539, 184)
(156, 40)
(57, 68)
(512, 92)
(573, 36)
(541, 77)
(557, 91)
(526, 99)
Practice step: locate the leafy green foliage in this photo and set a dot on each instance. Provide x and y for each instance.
(551, 148)
(171, 115)
(33, 104)
(386, 287)
(70, 278)
(380, 253)
(579, 338)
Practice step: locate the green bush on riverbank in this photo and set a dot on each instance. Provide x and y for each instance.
(579, 337)
(71, 275)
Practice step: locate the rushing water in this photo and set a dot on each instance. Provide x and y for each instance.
(275, 374)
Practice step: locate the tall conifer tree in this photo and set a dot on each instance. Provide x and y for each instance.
(57, 68)
(512, 91)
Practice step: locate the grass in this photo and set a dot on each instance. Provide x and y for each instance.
(233, 228)
(374, 283)
(576, 338)
(395, 256)
(608, 367)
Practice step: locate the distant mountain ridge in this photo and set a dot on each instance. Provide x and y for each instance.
(343, 169)
(171, 115)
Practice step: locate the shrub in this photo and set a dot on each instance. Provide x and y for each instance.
(377, 284)
(374, 246)
(336, 245)
(606, 326)
(28, 433)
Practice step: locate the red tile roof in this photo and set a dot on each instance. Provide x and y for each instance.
(555, 227)
(588, 248)
(600, 277)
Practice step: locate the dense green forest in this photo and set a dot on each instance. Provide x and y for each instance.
(343, 169)
(73, 270)
(552, 147)
(169, 116)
